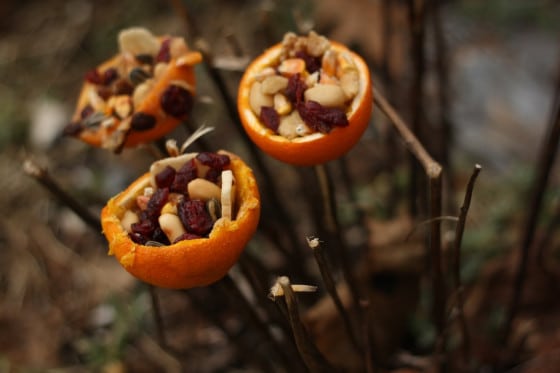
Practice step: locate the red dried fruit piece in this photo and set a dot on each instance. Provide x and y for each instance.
(142, 231)
(94, 77)
(155, 204)
(73, 129)
(270, 117)
(312, 64)
(110, 75)
(213, 160)
(295, 89)
(142, 122)
(164, 53)
(321, 118)
(194, 217)
(86, 111)
(184, 175)
(176, 101)
(165, 178)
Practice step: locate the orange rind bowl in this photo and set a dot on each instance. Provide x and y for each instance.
(188, 263)
(316, 148)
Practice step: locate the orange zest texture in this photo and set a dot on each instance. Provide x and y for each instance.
(192, 262)
(134, 82)
(316, 147)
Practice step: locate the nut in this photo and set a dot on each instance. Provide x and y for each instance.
(122, 105)
(291, 66)
(159, 69)
(274, 84)
(292, 126)
(317, 44)
(138, 40)
(350, 83)
(128, 219)
(203, 189)
(258, 99)
(141, 92)
(227, 194)
(328, 95)
(171, 225)
(281, 104)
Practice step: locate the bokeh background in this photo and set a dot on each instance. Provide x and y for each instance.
(66, 306)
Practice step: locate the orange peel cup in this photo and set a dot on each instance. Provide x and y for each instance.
(187, 263)
(116, 132)
(316, 148)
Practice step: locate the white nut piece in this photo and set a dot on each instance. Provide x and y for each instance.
(317, 45)
(281, 104)
(141, 92)
(138, 40)
(274, 84)
(258, 99)
(128, 219)
(328, 95)
(203, 189)
(228, 194)
(350, 83)
(292, 126)
(171, 225)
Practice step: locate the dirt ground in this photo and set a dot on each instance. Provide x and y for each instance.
(66, 306)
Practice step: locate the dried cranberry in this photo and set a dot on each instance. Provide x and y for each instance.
(213, 160)
(295, 89)
(123, 87)
(164, 53)
(165, 178)
(94, 77)
(156, 202)
(73, 129)
(104, 92)
(86, 111)
(312, 64)
(321, 118)
(187, 236)
(195, 217)
(142, 122)
(213, 175)
(138, 238)
(270, 117)
(184, 175)
(110, 75)
(176, 101)
(143, 230)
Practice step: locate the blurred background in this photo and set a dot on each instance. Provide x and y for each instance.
(483, 75)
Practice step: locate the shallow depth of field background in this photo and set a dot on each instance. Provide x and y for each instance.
(65, 305)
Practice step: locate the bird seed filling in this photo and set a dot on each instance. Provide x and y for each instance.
(185, 197)
(309, 88)
(116, 90)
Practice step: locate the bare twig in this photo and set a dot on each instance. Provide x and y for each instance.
(333, 228)
(417, 20)
(42, 175)
(434, 171)
(312, 357)
(330, 285)
(228, 287)
(158, 320)
(544, 166)
(459, 230)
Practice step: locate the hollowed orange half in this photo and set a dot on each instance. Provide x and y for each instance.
(315, 148)
(188, 263)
